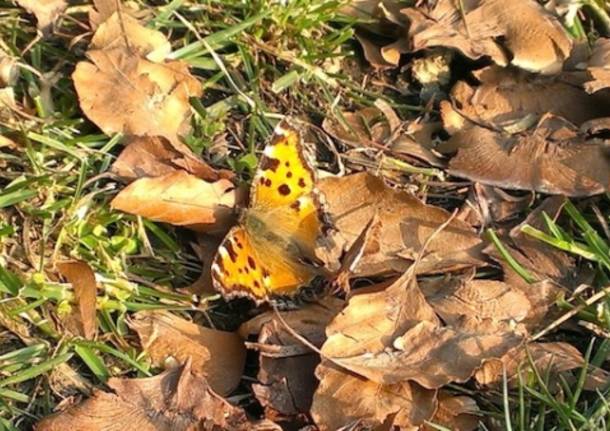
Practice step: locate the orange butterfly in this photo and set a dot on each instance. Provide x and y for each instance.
(271, 251)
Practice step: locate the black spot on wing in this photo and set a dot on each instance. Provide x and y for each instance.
(251, 262)
(296, 205)
(268, 182)
(302, 183)
(288, 174)
(231, 251)
(284, 190)
(269, 164)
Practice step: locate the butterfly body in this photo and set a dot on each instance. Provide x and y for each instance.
(271, 251)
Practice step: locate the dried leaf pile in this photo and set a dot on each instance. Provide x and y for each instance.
(426, 319)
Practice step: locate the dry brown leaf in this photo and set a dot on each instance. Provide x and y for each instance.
(487, 299)
(176, 400)
(153, 156)
(455, 412)
(170, 340)
(520, 33)
(553, 158)
(433, 356)
(488, 205)
(406, 224)
(371, 127)
(45, 11)
(121, 93)
(80, 275)
(373, 319)
(124, 33)
(180, 199)
(348, 400)
(286, 375)
(598, 66)
(549, 359)
(513, 101)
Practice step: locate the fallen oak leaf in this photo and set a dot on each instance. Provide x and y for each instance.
(45, 11)
(524, 34)
(153, 156)
(434, 355)
(487, 299)
(176, 400)
(598, 67)
(286, 381)
(80, 275)
(553, 158)
(549, 359)
(181, 199)
(218, 355)
(406, 223)
(512, 99)
(348, 400)
(124, 33)
(121, 93)
(455, 412)
(373, 318)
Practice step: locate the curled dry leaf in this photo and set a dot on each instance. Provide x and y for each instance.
(153, 156)
(347, 400)
(552, 158)
(218, 355)
(82, 278)
(598, 67)
(434, 356)
(177, 400)
(455, 412)
(549, 359)
(45, 11)
(180, 199)
(488, 205)
(371, 127)
(122, 92)
(286, 376)
(406, 223)
(510, 100)
(523, 34)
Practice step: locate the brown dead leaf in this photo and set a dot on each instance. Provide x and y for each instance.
(180, 199)
(433, 355)
(347, 400)
(371, 127)
(510, 100)
(455, 412)
(154, 156)
(124, 33)
(598, 67)
(488, 205)
(552, 158)
(373, 319)
(487, 299)
(286, 376)
(549, 359)
(127, 88)
(521, 33)
(80, 275)
(406, 224)
(176, 400)
(169, 340)
(45, 11)
(121, 93)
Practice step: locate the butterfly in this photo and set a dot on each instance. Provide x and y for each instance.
(271, 251)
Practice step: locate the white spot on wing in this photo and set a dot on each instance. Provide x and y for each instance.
(223, 251)
(279, 130)
(269, 150)
(216, 269)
